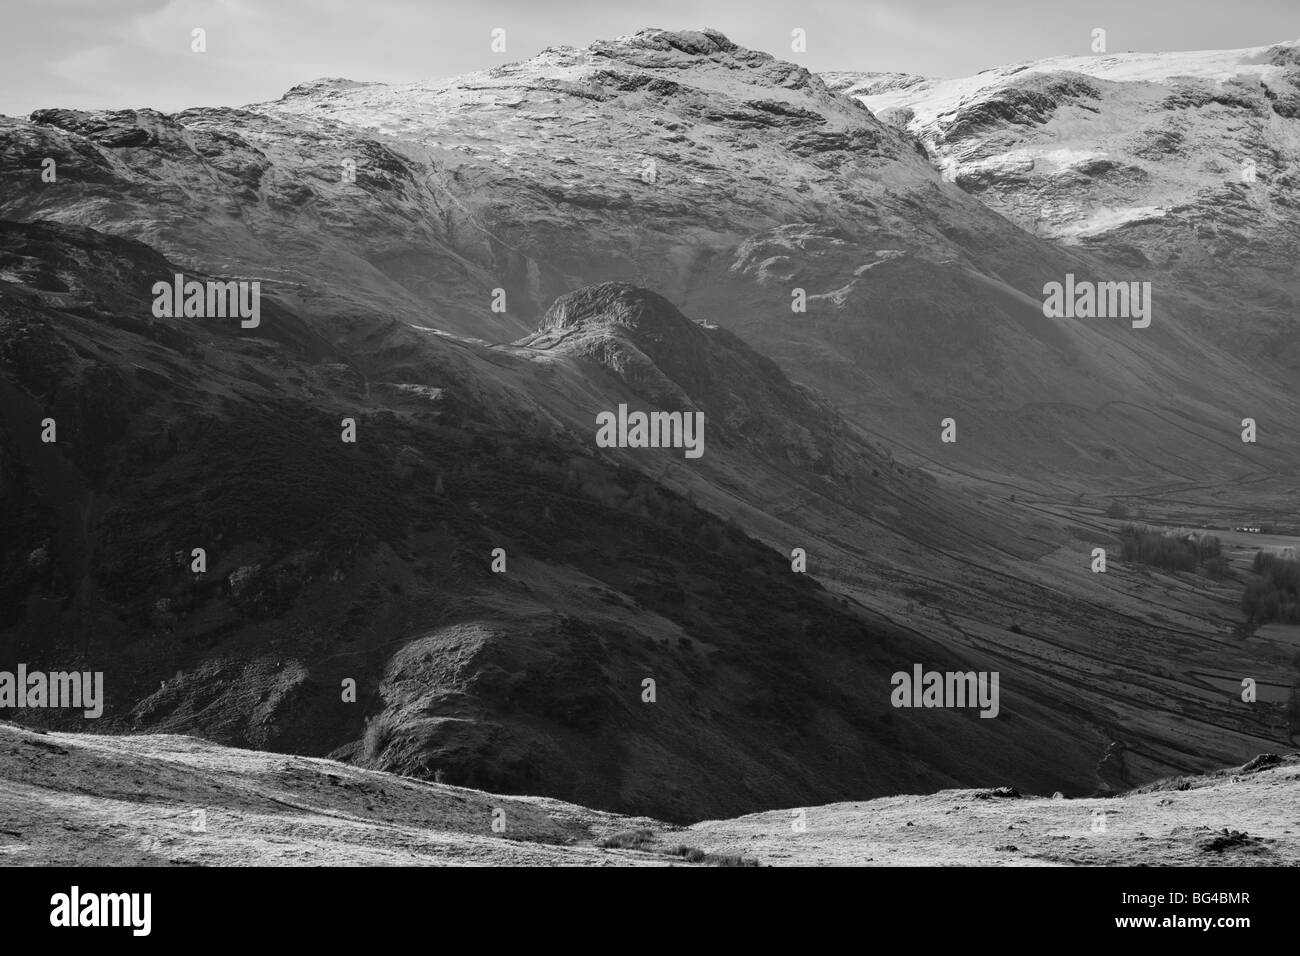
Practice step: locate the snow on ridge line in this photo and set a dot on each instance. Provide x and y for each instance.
(933, 97)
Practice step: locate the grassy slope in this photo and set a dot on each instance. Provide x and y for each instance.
(93, 799)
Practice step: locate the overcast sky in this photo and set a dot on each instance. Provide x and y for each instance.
(135, 53)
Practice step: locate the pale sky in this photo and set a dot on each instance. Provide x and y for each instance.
(94, 54)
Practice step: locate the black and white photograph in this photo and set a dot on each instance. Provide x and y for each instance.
(858, 436)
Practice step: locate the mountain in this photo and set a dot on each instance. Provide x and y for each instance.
(718, 176)
(474, 271)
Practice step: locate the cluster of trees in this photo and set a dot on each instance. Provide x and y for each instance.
(1275, 594)
(1172, 551)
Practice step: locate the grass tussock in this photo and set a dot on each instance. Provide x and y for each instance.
(626, 840)
(643, 840)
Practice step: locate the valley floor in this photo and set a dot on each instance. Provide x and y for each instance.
(82, 799)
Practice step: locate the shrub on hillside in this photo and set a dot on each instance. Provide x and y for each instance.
(1216, 568)
(1170, 551)
(1274, 595)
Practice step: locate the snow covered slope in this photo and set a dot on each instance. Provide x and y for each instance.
(1079, 147)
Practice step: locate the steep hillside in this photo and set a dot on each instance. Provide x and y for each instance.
(328, 561)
